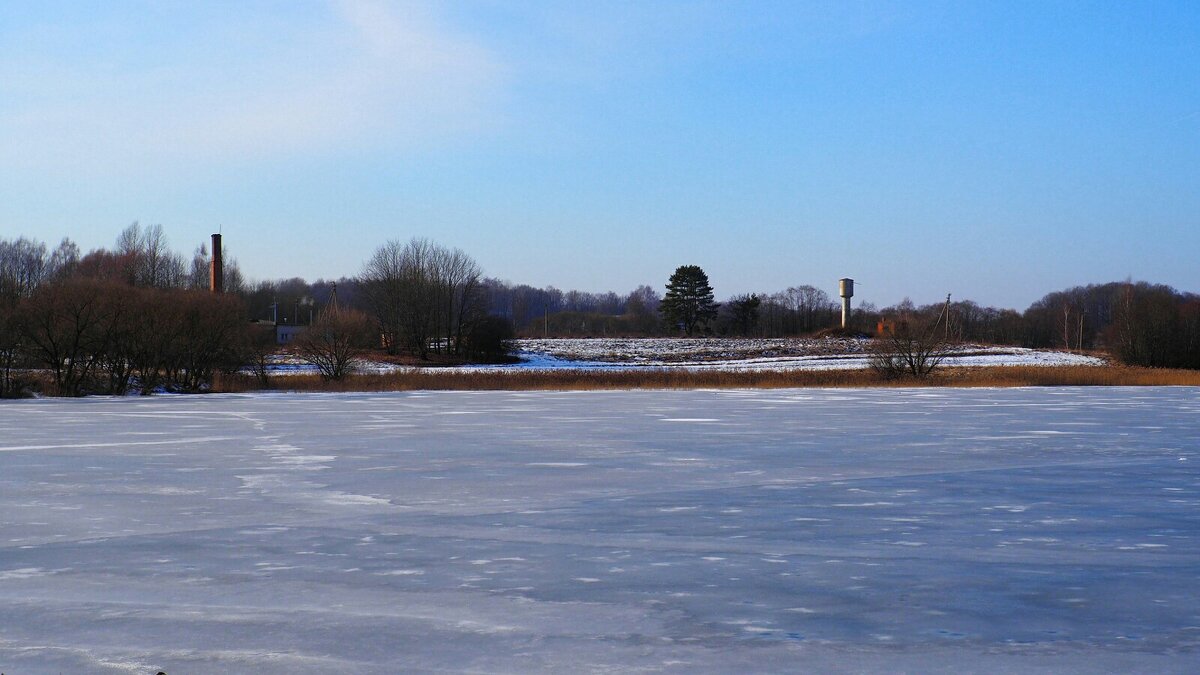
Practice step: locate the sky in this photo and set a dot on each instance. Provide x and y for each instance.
(996, 151)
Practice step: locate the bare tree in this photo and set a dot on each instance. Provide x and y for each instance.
(10, 349)
(457, 279)
(642, 307)
(210, 327)
(258, 347)
(198, 271)
(335, 342)
(63, 260)
(23, 267)
(10, 346)
(911, 347)
(1155, 326)
(383, 282)
(423, 296)
(158, 263)
(64, 327)
(124, 311)
(147, 259)
(742, 311)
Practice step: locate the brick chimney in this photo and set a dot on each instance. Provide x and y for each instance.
(216, 269)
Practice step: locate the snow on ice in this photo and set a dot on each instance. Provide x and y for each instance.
(919, 530)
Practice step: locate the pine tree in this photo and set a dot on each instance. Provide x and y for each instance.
(688, 303)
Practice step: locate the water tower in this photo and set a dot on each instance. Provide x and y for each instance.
(846, 290)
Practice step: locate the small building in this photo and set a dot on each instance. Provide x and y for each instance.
(886, 326)
(286, 333)
(289, 325)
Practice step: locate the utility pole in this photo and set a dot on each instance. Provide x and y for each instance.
(947, 312)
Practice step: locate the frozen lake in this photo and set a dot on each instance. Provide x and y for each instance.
(920, 530)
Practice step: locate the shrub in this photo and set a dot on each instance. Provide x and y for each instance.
(912, 349)
(335, 342)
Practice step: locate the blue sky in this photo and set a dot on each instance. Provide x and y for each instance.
(996, 151)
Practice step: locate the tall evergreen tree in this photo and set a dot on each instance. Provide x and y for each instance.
(688, 302)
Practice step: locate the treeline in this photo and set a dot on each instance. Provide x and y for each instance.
(103, 321)
(140, 314)
(550, 312)
(1136, 322)
(426, 300)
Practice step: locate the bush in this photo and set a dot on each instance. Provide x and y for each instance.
(913, 349)
(335, 342)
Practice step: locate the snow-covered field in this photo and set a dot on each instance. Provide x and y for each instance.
(719, 354)
(673, 350)
(754, 354)
(921, 530)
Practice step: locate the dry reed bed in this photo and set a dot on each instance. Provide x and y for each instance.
(666, 378)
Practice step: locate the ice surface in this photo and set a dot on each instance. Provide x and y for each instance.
(889, 530)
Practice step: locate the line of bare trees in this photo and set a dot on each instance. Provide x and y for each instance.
(1136, 322)
(1155, 326)
(425, 297)
(142, 257)
(421, 299)
(24, 266)
(101, 336)
(538, 312)
(109, 319)
(140, 315)
(137, 314)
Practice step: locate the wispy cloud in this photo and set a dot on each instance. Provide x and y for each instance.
(362, 74)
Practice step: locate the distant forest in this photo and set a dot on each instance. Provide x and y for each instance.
(141, 310)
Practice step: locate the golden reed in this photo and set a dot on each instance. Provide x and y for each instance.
(667, 378)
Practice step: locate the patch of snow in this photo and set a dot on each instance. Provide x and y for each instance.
(731, 354)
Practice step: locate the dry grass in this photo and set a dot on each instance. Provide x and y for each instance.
(666, 378)
(1064, 376)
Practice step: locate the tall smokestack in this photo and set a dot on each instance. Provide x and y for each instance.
(216, 270)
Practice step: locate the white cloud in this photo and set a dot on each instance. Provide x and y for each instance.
(242, 86)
